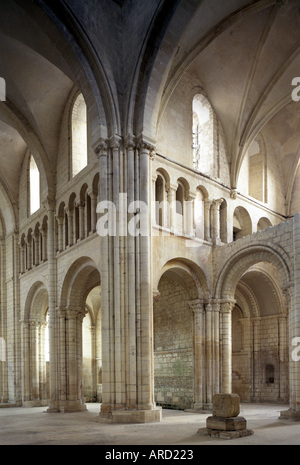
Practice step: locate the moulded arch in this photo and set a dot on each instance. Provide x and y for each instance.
(7, 211)
(82, 193)
(241, 261)
(186, 272)
(263, 223)
(72, 200)
(246, 300)
(95, 80)
(36, 302)
(35, 147)
(203, 191)
(242, 223)
(61, 209)
(95, 183)
(165, 176)
(80, 278)
(185, 185)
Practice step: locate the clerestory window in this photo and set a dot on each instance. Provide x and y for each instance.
(34, 186)
(79, 135)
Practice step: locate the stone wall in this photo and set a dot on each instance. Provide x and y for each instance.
(173, 347)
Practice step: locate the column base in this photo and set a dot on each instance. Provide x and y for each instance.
(34, 403)
(131, 416)
(289, 414)
(201, 408)
(68, 406)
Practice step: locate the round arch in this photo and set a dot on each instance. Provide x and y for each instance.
(35, 348)
(263, 223)
(37, 302)
(81, 277)
(240, 262)
(63, 42)
(188, 272)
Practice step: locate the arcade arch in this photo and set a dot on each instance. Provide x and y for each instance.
(253, 281)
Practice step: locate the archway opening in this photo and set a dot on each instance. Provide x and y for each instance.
(173, 340)
(80, 301)
(260, 336)
(91, 347)
(35, 347)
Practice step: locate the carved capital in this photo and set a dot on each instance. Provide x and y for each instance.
(100, 148)
(227, 306)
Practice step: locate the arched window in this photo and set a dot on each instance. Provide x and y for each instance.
(270, 374)
(34, 186)
(79, 135)
(263, 224)
(203, 143)
(242, 224)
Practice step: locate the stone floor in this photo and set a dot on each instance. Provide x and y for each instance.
(34, 427)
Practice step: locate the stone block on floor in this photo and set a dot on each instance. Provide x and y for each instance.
(226, 405)
(226, 424)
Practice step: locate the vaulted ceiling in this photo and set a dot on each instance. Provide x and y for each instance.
(246, 60)
(245, 53)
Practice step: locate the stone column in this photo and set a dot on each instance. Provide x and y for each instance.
(145, 313)
(26, 359)
(71, 395)
(216, 221)
(283, 359)
(216, 346)
(60, 233)
(131, 287)
(52, 322)
(255, 359)
(34, 361)
(70, 213)
(226, 309)
(209, 354)
(42, 362)
(108, 371)
(93, 197)
(126, 291)
(207, 234)
(153, 200)
(22, 258)
(36, 249)
(199, 353)
(44, 234)
(172, 207)
(189, 216)
(81, 220)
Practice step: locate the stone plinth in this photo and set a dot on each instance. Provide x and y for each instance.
(225, 422)
(226, 405)
(132, 416)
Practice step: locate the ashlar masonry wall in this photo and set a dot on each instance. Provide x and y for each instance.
(173, 347)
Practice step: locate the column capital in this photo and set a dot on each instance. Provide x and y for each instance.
(75, 312)
(227, 305)
(146, 144)
(130, 142)
(197, 305)
(100, 148)
(217, 202)
(115, 142)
